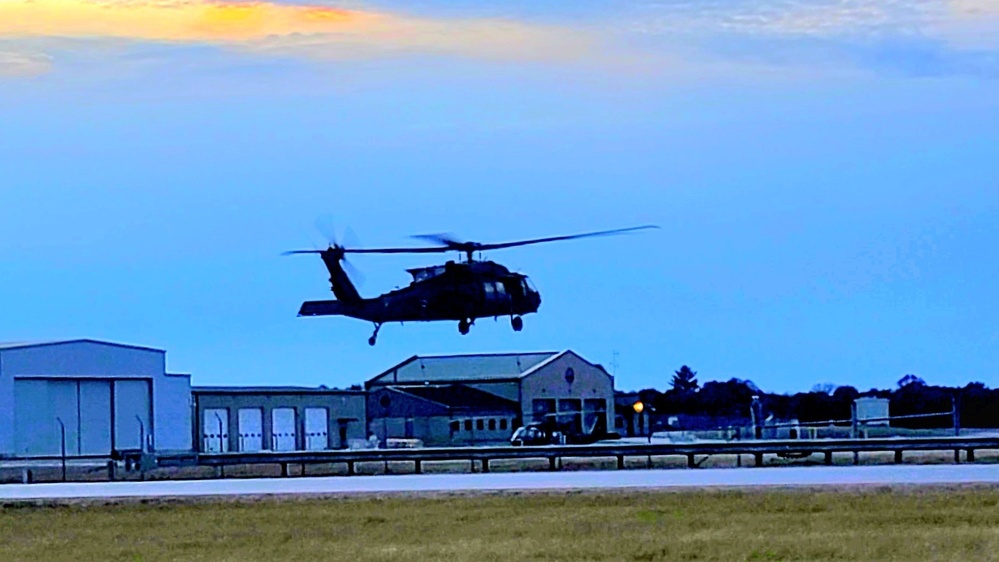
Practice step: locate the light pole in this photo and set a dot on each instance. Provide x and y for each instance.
(639, 407)
(62, 441)
(142, 434)
(221, 443)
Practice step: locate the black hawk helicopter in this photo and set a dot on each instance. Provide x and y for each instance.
(458, 291)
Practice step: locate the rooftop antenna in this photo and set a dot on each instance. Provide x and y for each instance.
(614, 363)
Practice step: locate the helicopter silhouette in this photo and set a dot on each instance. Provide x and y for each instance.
(462, 291)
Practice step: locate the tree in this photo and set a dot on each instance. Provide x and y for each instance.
(685, 380)
(910, 380)
(824, 388)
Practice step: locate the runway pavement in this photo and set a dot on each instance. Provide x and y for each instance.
(591, 480)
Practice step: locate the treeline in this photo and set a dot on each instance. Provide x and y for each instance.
(728, 402)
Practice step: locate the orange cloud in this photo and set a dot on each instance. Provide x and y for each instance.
(192, 21)
(313, 31)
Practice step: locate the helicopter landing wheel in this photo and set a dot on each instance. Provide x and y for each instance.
(374, 337)
(518, 323)
(463, 327)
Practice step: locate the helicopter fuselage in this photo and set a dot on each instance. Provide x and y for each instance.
(453, 291)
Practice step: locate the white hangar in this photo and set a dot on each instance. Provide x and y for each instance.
(102, 396)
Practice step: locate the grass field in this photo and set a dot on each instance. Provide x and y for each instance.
(861, 524)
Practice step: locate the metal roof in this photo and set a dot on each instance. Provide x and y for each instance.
(23, 345)
(459, 396)
(271, 390)
(452, 368)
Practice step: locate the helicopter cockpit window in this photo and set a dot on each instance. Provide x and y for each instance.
(489, 289)
(529, 286)
(500, 289)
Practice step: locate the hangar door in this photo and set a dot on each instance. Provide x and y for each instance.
(43, 408)
(132, 419)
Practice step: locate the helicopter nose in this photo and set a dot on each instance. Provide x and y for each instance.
(535, 299)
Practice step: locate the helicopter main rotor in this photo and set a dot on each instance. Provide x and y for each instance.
(447, 243)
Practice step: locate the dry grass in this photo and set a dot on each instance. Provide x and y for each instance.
(871, 524)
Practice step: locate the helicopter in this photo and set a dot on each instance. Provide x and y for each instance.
(461, 291)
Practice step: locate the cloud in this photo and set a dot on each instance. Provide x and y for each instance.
(921, 37)
(975, 8)
(290, 30)
(18, 64)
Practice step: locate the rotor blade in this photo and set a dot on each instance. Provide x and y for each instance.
(355, 274)
(445, 239)
(296, 252)
(483, 247)
(423, 250)
(350, 239)
(327, 228)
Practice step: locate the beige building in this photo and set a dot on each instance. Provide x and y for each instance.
(482, 399)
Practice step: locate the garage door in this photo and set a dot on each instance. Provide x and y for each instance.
(43, 408)
(317, 433)
(132, 421)
(251, 430)
(36, 432)
(95, 417)
(215, 430)
(283, 432)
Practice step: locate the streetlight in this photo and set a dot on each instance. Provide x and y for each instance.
(639, 407)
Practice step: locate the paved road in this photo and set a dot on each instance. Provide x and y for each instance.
(647, 479)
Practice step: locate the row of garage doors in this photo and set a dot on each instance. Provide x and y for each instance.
(283, 430)
(96, 416)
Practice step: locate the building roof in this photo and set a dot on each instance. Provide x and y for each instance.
(459, 396)
(271, 390)
(22, 345)
(477, 367)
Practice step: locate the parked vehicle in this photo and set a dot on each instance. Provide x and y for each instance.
(539, 433)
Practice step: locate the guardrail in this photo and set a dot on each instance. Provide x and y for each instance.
(554, 454)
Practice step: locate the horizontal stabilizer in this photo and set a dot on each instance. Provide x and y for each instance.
(321, 308)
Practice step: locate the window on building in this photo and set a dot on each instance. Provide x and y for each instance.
(480, 424)
(503, 424)
(468, 425)
(492, 425)
(455, 426)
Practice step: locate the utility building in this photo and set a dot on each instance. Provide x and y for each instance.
(253, 419)
(89, 398)
(481, 399)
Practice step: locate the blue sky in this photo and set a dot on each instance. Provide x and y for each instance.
(825, 175)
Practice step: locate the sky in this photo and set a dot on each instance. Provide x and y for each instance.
(825, 174)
